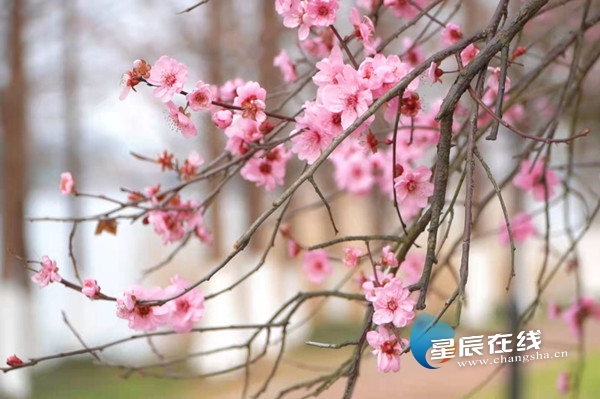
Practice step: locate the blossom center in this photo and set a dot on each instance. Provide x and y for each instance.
(265, 168)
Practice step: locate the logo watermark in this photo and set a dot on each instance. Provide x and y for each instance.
(438, 336)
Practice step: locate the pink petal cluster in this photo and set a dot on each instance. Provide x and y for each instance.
(388, 258)
(412, 267)
(316, 265)
(14, 361)
(222, 118)
(181, 121)
(181, 313)
(286, 66)
(67, 184)
(413, 188)
(393, 304)
(351, 255)
(521, 226)
(47, 274)
(251, 98)
(387, 348)
(468, 54)
(364, 31)
(141, 316)
(451, 34)
(169, 75)
(173, 224)
(241, 132)
(531, 177)
(576, 314)
(90, 288)
(315, 130)
(201, 97)
(305, 14)
(349, 95)
(185, 310)
(267, 168)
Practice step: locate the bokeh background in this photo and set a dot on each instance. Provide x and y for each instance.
(60, 82)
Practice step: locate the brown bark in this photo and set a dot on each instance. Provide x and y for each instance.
(14, 163)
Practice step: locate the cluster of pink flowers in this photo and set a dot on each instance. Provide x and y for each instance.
(67, 183)
(316, 265)
(181, 217)
(180, 313)
(393, 309)
(47, 274)
(576, 314)
(537, 178)
(306, 14)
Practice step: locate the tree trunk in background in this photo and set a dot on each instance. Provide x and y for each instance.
(14, 284)
(215, 142)
(14, 156)
(71, 109)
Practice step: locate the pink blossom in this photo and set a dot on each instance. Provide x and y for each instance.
(293, 13)
(576, 314)
(316, 265)
(14, 361)
(413, 189)
(142, 316)
(267, 169)
(241, 133)
(413, 55)
(374, 284)
(167, 224)
(67, 184)
(319, 46)
(222, 118)
(329, 68)
(287, 67)
(314, 131)
(562, 383)
(468, 54)
(321, 12)
(191, 165)
(90, 288)
(227, 91)
(181, 121)
(364, 31)
(251, 98)
(387, 348)
(169, 75)
(187, 309)
(197, 224)
(201, 97)
(553, 310)
(293, 249)
(451, 34)
(434, 73)
(521, 226)
(388, 258)
(349, 96)
(530, 179)
(412, 267)
(47, 274)
(353, 173)
(351, 256)
(130, 79)
(393, 304)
